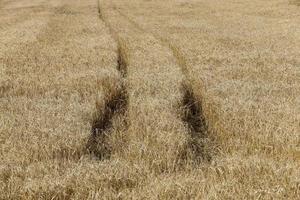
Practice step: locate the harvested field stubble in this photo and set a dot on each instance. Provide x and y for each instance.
(119, 99)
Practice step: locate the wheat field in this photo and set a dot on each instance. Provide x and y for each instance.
(149, 99)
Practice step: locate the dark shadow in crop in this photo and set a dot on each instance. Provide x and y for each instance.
(199, 145)
(98, 144)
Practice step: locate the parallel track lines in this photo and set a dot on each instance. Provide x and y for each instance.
(164, 120)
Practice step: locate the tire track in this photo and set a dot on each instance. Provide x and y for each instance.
(164, 121)
(193, 116)
(115, 106)
(98, 143)
(50, 65)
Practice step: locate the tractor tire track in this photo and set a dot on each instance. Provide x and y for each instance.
(115, 105)
(163, 124)
(53, 54)
(98, 143)
(193, 109)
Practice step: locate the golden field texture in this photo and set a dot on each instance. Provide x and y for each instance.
(148, 99)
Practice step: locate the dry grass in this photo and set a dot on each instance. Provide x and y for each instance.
(149, 100)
